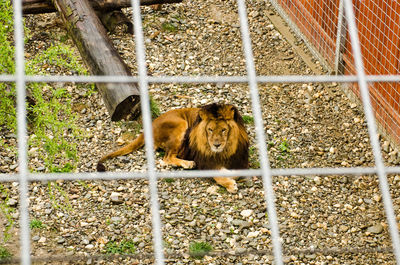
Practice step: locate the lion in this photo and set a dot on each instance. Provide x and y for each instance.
(210, 137)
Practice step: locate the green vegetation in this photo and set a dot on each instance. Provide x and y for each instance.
(7, 91)
(4, 253)
(280, 149)
(253, 158)
(51, 123)
(35, 223)
(284, 146)
(248, 119)
(169, 180)
(7, 211)
(222, 190)
(154, 108)
(58, 196)
(168, 26)
(199, 249)
(124, 247)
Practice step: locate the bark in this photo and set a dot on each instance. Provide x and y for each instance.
(96, 49)
(46, 6)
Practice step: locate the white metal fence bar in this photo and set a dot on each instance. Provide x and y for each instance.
(340, 39)
(148, 133)
(203, 79)
(198, 174)
(260, 137)
(22, 133)
(362, 82)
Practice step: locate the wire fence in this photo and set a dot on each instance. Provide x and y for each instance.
(323, 25)
(361, 76)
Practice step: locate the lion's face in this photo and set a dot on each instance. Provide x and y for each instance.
(217, 135)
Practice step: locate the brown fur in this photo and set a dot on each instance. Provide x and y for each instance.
(211, 137)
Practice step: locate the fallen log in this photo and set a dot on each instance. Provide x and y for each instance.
(46, 6)
(99, 54)
(114, 19)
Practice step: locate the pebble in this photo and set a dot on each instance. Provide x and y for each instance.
(375, 229)
(253, 234)
(89, 246)
(12, 202)
(116, 197)
(246, 213)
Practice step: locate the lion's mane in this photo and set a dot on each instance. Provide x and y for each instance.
(236, 152)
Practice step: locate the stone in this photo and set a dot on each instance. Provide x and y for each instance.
(375, 229)
(116, 197)
(246, 213)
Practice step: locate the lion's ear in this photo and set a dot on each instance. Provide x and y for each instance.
(228, 112)
(203, 114)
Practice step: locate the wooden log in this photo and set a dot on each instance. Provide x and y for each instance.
(115, 19)
(98, 52)
(46, 6)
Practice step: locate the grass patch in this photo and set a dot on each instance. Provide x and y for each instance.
(199, 249)
(248, 119)
(123, 247)
(4, 253)
(7, 211)
(169, 180)
(284, 146)
(154, 108)
(222, 190)
(35, 223)
(169, 27)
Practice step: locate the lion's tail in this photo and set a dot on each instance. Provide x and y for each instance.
(135, 144)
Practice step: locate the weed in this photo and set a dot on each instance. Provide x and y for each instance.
(169, 180)
(253, 159)
(154, 108)
(221, 190)
(284, 146)
(124, 247)
(7, 65)
(160, 153)
(199, 249)
(4, 253)
(35, 223)
(248, 119)
(168, 26)
(58, 196)
(7, 212)
(270, 144)
(52, 124)
(84, 184)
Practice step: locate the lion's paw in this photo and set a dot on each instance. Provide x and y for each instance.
(232, 187)
(189, 164)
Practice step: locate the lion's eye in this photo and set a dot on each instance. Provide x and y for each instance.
(223, 130)
(210, 130)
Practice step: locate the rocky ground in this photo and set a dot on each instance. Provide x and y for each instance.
(307, 125)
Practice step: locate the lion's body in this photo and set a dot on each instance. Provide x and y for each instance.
(211, 137)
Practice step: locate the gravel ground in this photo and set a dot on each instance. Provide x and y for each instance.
(316, 123)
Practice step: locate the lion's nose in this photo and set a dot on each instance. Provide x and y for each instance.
(217, 145)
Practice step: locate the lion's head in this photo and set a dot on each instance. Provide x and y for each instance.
(218, 138)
